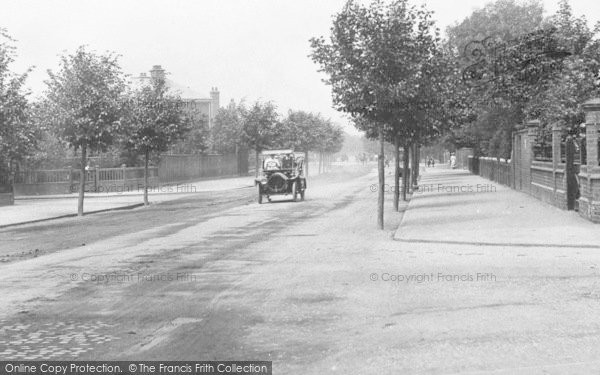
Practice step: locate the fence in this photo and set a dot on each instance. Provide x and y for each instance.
(171, 169)
(497, 170)
(177, 168)
(64, 181)
(567, 175)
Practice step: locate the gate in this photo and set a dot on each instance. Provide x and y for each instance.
(574, 157)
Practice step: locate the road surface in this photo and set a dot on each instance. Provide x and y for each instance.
(311, 286)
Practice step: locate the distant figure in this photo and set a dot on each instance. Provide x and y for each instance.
(432, 162)
(428, 161)
(362, 158)
(287, 162)
(452, 161)
(271, 164)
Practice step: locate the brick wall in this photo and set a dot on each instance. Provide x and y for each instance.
(549, 185)
(547, 181)
(539, 179)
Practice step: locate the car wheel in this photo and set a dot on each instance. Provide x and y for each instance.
(260, 194)
(295, 191)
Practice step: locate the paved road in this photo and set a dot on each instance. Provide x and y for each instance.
(311, 286)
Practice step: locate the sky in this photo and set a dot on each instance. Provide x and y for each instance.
(249, 49)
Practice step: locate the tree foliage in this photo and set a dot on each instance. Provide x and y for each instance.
(18, 134)
(523, 66)
(260, 126)
(155, 119)
(86, 97)
(226, 133)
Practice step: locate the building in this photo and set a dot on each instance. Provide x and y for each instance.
(194, 100)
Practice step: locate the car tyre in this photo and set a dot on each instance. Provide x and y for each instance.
(302, 189)
(295, 191)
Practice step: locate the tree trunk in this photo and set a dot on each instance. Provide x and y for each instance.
(405, 172)
(418, 170)
(306, 165)
(321, 162)
(82, 176)
(415, 165)
(381, 181)
(396, 172)
(237, 160)
(257, 161)
(146, 178)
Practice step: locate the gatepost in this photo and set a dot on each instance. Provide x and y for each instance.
(556, 159)
(589, 175)
(532, 130)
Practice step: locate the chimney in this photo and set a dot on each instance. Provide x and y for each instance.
(157, 72)
(214, 96)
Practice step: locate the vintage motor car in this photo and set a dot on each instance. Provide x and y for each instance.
(281, 172)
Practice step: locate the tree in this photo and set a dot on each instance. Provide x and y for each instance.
(301, 131)
(18, 135)
(85, 100)
(578, 78)
(155, 120)
(226, 133)
(523, 66)
(374, 60)
(501, 23)
(260, 127)
(331, 140)
(197, 139)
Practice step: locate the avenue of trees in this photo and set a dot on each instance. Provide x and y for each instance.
(89, 107)
(405, 85)
(259, 126)
(387, 69)
(504, 64)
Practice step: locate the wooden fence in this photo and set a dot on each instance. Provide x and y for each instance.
(64, 181)
(177, 168)
(171, 169)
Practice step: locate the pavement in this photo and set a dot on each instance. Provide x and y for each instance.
(456, 207)
(30, 209)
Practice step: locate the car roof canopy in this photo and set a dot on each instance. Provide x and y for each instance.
(276, 152)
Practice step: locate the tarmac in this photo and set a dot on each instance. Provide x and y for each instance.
(456, 207)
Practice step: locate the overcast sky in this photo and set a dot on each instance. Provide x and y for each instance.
(252, 49)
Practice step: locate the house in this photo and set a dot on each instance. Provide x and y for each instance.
(194, 101)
